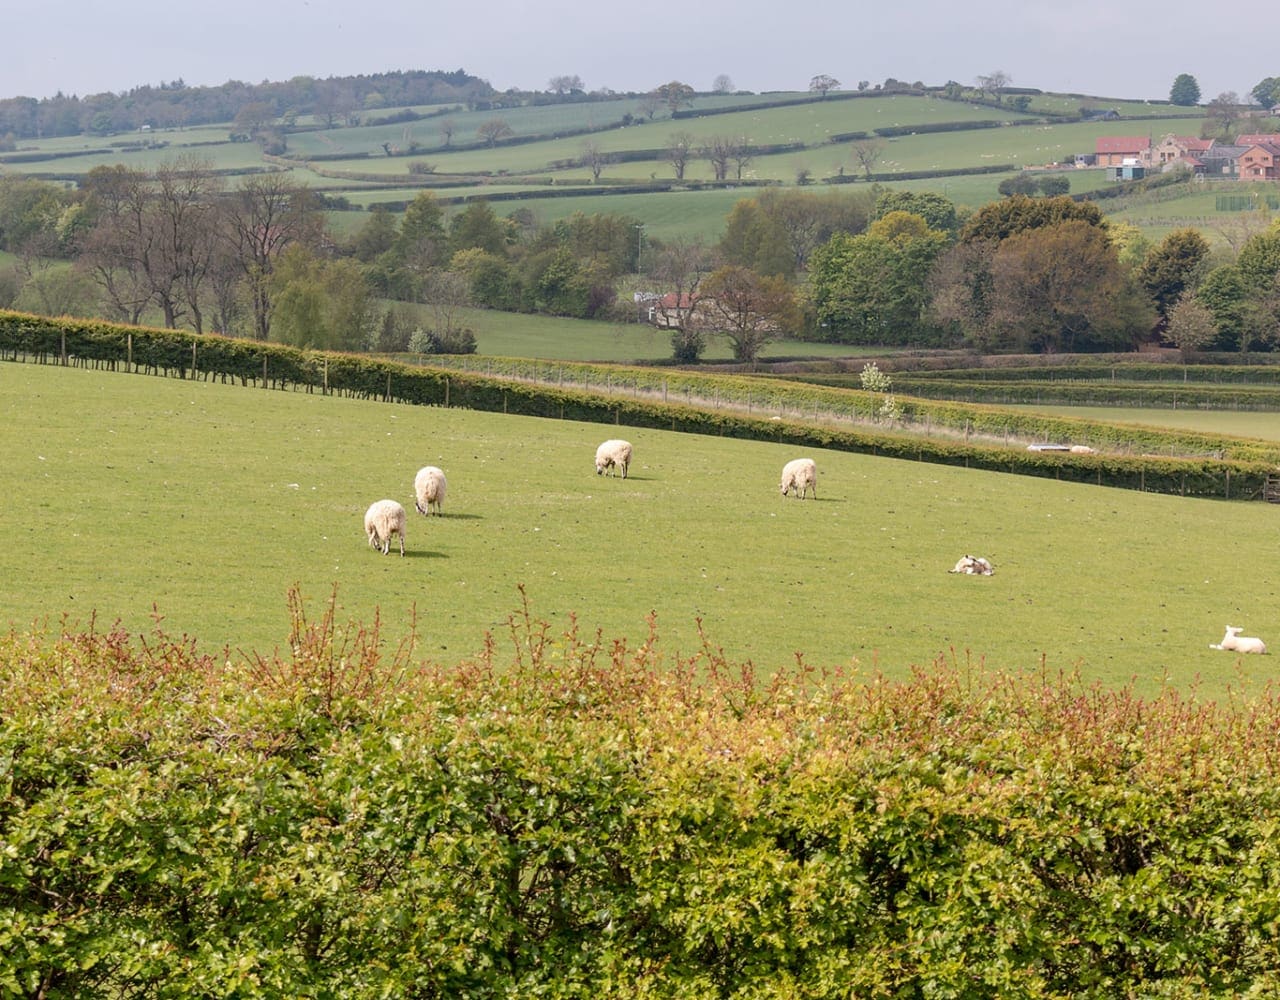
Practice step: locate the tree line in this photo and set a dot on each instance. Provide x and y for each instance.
(182, 247)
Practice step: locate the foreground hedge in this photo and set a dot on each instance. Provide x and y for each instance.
(580, 818)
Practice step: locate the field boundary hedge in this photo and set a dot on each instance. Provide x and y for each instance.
(731, 406)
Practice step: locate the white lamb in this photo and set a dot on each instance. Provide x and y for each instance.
(382, 520)
(613, 454)
(974, 566)
(801, 475)
(1233, 640)
(429, 488)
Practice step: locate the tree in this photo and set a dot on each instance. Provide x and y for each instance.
(260, 220)
(749, 309)
(1191, 326)
(674, 95)
(320, 304)
(679, 152)
(1185, 92)
(1019, 184)
(755, 240)
(678, 270)
(594, 158)
(447, 128)
(1173, 268)
(822, 84)
(447, 293)
(871, 288)
(493, 130)
(998, 220)
(1060, 288)
(722, 84)
(938, 212)
(866, 153)
(562, 85)
(1224, 293)
(718, 151)
(989, 86)
(1221, 117)
(741, 154)
(478, 225)
(1267, 92)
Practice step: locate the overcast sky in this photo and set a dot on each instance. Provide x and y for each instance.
(1109, 48)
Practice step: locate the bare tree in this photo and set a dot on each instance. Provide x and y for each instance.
(563, 85)
(447, 128)
(594, 158)
(991, 84)
(866, 152)
(493, 130)
(679, 152)
(823, 83)
(678, 269)
(742, 154)
(446, 293)
(718, 150)
(723, 84)
(261, 219)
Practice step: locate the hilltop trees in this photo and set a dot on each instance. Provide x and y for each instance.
(1185, 91)
(675, 95)
(823, 83)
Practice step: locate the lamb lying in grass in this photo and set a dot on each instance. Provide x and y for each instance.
(1238, 643)
(973, 566)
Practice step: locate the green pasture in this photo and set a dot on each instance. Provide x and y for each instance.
(130, 497)
(1236, 423)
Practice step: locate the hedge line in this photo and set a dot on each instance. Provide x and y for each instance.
(1168, 373)
(580, 818)
(787, 412)
(1220, 397)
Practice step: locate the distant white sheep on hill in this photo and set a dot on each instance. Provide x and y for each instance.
(613, 454)
(1238, 643)
(801, 475)
(429, 487)
(383, 519)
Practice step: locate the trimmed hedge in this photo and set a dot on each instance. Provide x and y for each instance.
(946, 433)
(581, 818)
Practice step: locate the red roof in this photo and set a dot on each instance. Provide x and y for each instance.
(1257, 138)
(1122, 143)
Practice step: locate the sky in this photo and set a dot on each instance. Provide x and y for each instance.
(1126, 49)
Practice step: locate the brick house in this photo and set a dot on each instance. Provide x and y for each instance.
(1173, 148)
(1260, 162)
(1254, 138)
(1114, 150)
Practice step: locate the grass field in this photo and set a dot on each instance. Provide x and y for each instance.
(1237, 423)
(210, 501)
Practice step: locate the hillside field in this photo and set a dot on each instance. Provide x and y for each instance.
(207, 502)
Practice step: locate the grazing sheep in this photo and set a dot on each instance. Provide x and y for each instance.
(428, 488)
(1082, 449)
(614, 454)
(382, 520)
(1238, 643)
(801, 475)
(974, 566)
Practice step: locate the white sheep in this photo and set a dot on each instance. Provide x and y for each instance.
(613, 454)
(1083, 449)
(382, 520)
(801, 475)
(973, 566)
(1233, 640)
(429, 487)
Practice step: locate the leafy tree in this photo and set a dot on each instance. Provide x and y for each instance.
(1224, 293)
(1061, 288)
(823, 83)
(1259, 259)
(749, 309)
(960, 290)
(376, 236)
(567, 84)
(1173, 268)
(939, 213)
(989, 86)
(753, 239)
(999, 220)
(1267, 92)
(1185, 91)
(1021, 183)
(871, 288)
(478, 225)
(492, 281)
(675, 95)
(320, 303)
(1191, 325)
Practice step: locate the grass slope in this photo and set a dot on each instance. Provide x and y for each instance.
(210, 501)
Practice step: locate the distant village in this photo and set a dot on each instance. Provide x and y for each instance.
(1252, 157)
